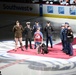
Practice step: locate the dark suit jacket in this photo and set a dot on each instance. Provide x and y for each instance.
(28, 32)
(69, 36)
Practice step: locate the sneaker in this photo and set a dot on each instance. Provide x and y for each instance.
(51, 46)
(34, 48)
(26, 48)
(31, 48)
(22, 49)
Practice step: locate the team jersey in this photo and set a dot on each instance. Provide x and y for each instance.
(38, 37)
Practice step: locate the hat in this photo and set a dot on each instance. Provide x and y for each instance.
(48, 21)
(66, 23)
(28, 23)
(37, 21)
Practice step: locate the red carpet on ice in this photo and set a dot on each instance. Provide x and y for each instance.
(54, 52)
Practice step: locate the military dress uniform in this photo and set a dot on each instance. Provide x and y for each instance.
(28, 36)
(69, 42)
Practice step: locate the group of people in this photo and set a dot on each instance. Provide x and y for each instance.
(37, 34)
(67, 2)
(67, 36)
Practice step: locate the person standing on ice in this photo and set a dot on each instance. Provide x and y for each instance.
(18, 30)
(35, 27)
(48, 31)
(38, 38)
(28, 35)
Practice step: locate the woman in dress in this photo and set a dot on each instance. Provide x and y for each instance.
(18, 29)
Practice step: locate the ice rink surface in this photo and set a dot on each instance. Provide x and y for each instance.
(17, 64)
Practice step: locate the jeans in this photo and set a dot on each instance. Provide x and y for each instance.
(49, 38)
(69, 48)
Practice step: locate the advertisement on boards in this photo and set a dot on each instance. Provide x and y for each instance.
(19, 7)
(50, 9)
(61, 10)
(73, 10)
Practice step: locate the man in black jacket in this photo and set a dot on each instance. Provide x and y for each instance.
(48, 30)
(28, 35)
(69, 41)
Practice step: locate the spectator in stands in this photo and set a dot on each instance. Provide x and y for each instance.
(67, 2)
(71, 1)
(61, 1)
(18, 29)
(64, 2)
(74, 2)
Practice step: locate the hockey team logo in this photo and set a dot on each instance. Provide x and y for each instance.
(37, 36)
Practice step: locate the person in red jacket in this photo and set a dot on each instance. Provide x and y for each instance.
(38, 38)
